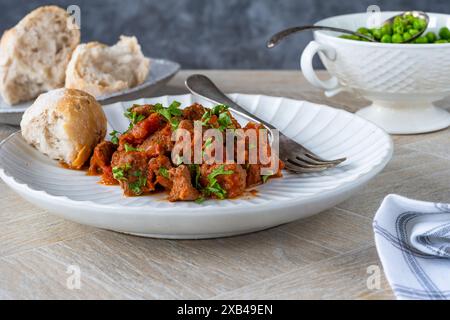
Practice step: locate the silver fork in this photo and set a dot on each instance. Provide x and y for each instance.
(296, 157)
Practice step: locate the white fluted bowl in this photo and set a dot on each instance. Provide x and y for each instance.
(402, 80)
(331, 133)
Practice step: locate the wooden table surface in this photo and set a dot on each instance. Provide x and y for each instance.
(326, 256)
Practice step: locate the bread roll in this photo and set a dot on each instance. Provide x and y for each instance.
(35, 53)
(65, 124)
(100, 70)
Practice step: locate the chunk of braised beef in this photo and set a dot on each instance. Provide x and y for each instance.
(194, 112)
(160, 167)
(141, 131)
(130, 169)
(253, 175)
(100, 162)
(143, 110)
(101, 157)
(159, 143)
(182, 188)
(234, 184)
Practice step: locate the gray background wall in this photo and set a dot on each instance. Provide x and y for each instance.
(209, 33)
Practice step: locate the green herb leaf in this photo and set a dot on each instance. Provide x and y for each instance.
(265, 178)
(173, 108)
(224, 121)
(129, 148)
(218, 109)
(213, 185)
(164, 172)
(206, 117)
(114, 137)
(137, 186)
(134, 117)
(120, 171)
(170, 112)
(200, 200)
(218, 171)
(208, 142)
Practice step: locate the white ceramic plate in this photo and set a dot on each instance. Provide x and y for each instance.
(161, 71)
(330, 132)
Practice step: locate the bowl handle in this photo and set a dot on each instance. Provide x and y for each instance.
(330, 86)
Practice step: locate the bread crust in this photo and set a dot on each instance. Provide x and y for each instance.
(66, 125)
(30, 64)
(98, 69)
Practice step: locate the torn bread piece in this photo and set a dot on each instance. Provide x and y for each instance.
(100, 70)
(35, 53)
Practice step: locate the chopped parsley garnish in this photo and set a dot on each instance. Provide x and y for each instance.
(224, 121)
(120, 171)
(223, 117)
(164, 172)
(200, 200)
(173, 108)
(170, 113)
(218, 109)
(114, 137)
(129, 148)
(141, 182)
(265, 178)
(213, 186)
(133, 116)
(208, 142)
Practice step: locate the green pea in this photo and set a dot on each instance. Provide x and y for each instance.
(398, 28)
(444, 33)
(441, 41)
(376, 32)
(410, 18)
(421, 40)
(413, 31)
(397, 38)
(363, 30)
(398, 19)
(386, 38)
(419, 24)
(431, 36)
(407, 36)
(386, 29)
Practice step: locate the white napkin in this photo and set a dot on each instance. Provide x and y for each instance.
(413, 242)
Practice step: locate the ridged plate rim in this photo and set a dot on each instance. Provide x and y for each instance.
(200, 210)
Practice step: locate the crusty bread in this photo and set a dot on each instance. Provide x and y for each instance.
(35, 53)
(100, 70)
(65, 124)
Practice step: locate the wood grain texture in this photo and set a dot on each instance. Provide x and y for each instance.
(343, 277)
(324, 256)
(162, 269)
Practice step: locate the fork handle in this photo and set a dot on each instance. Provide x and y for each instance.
(202, 86)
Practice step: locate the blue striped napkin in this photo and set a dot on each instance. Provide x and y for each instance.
(413, 242)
